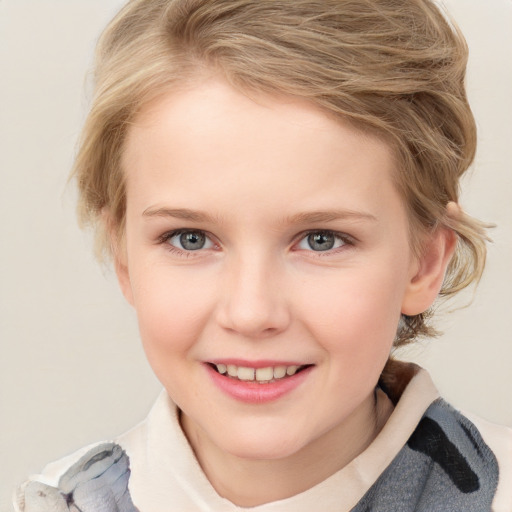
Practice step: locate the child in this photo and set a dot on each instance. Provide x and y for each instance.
(277, 185)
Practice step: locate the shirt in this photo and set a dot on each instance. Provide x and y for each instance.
(427, 457)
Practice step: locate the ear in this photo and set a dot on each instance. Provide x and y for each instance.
(428, 274)
(123, 275)
(119, 254)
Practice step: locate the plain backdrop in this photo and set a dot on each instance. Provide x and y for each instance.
(72, 370)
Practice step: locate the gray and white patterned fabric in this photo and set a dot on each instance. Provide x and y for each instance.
(444, 467)
(98, 482)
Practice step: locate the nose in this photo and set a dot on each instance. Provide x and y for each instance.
(253, 302)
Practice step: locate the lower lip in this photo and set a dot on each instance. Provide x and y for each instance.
(254, 393)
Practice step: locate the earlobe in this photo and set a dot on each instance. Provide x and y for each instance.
(426, 282)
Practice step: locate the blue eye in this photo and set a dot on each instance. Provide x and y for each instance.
(189, 240)
(320, 241)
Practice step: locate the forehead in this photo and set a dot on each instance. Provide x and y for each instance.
(268, 149)
(203, 102)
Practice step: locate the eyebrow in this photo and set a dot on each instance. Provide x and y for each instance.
(328, 216)
(299, 218)
(178, 213)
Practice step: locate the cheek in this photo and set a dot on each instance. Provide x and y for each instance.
(172, 307)
(355, 313)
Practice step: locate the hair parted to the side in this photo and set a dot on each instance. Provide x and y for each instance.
(392, 67)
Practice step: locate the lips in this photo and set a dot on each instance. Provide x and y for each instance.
(257, 382)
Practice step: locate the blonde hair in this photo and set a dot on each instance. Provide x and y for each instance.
(392, 67)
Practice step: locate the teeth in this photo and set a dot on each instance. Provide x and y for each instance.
(245, 373)
(265, 373)
(268, 374)
(291, 370)
(279, 372)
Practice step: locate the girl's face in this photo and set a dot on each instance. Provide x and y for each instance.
(263, 239)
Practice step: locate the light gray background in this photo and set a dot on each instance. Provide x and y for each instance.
(72, 370)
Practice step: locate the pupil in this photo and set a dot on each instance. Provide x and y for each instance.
(321, 241)
(192, 241)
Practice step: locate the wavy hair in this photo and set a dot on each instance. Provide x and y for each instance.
(395, 68)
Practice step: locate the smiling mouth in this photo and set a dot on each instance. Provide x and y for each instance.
(260, 375)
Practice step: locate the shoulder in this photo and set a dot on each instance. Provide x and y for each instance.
(499, 440)
(448, 460)
(474, 453)
(93, 478)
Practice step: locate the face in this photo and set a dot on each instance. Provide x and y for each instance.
(268, 260)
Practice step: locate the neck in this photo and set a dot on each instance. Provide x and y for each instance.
(253, 482)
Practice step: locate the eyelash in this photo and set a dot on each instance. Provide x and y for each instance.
(346, 240)
(164, 239)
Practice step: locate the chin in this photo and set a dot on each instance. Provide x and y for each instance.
(261, 447)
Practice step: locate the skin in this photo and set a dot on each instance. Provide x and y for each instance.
(253, 167)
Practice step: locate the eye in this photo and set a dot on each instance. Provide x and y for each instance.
(189, 240)
(320, 241)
